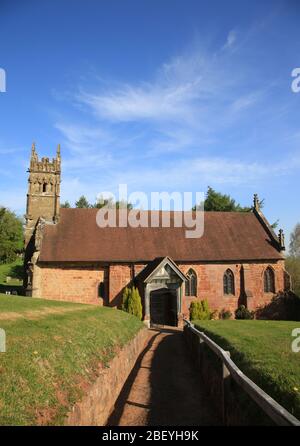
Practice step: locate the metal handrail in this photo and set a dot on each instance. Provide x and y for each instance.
(273, 409)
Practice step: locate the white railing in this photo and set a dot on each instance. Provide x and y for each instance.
(230, 370)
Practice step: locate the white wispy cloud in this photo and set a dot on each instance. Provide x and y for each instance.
(198, 93)
(171, 129)
(231, 39)
(179, 91)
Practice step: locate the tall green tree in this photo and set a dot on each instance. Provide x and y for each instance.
(215, 201)
(11, 235)
(82, 202)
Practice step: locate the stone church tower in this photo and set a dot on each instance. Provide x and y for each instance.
(43, 197)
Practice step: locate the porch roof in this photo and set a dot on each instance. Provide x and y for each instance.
(153, 267)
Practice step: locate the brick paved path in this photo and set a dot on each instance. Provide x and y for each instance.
(163, 388)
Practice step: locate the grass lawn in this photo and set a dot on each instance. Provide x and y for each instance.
(14, 270)
(262, 350)
(53, 352)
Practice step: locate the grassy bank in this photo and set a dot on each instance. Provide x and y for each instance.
(14, 271)
(262, 350)
(53, 353)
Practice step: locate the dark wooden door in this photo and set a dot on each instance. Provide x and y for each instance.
(161, 308)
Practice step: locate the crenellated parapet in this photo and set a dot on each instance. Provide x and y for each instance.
(44, 164)
(43, 197)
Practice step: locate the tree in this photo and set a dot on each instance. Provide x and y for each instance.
(132, 302)
(292, 265)
(125, 296)
(109, 202)
(215, 201)
(82, 203)
(135, 303)
(123, 205)
(295, 242)
(65, 205)
(11, 235)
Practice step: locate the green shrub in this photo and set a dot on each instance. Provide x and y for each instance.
(243, 313)
(225, 314)
(199, 310)
(125, 299)
(132, 302)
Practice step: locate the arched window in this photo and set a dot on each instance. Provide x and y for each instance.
(269, 281)
(191, 283)
(44, 187)
(228, 282)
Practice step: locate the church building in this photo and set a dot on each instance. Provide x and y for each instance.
(238, 260)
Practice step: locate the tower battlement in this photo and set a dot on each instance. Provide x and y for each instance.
(43, 197)
(44, 164)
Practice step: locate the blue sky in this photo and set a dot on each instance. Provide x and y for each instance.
(161, 95)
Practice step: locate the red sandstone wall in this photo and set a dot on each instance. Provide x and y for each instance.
(70, 283)
(97, 403)
(119, 278)
(210, 284)
(80, 284)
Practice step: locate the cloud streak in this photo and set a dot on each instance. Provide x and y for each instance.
(188, 126)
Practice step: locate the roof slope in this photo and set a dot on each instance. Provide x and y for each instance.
(227, 236)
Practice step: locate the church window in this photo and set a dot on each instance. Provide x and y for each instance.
(191, 283)
(228, 282)
(269, 281)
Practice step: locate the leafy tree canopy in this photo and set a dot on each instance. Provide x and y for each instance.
(11, 235)
(215, 201)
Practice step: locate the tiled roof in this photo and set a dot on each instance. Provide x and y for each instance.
(228, 236)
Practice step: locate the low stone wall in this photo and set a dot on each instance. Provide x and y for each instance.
(96, 406)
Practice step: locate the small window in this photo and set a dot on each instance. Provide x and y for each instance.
(44, 187)
(191, 283)
(269, 281)
(228, 282)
